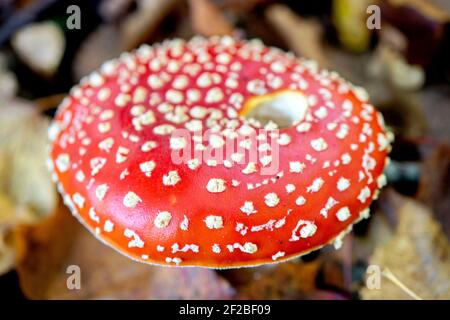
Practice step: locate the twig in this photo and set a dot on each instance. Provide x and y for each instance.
(391, 277)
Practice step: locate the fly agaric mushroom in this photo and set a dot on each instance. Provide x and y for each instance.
(113, 146)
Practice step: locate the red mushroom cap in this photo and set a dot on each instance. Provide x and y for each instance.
(141, 153)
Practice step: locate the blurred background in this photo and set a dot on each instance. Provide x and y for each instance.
(399, 50)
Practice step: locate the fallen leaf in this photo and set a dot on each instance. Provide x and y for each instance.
(109, 40)
(435, 101)
(8, 219)
(303, 36)
(388, 64)
(27, 193)
(434, 187)
(207, 19)
(418, 255)
(113, 10)
(424, 25)
(8, 80)
(136, 27)
(23, 157)
(41, 46)
(239, 5)
(48, 249)
(288, 280)
(101, 45)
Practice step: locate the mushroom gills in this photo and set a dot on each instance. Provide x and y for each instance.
(285, 108)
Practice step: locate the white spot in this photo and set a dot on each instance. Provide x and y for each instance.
(284, 139)
(122, 99)
(304, 229)
(381, 181)
(123, 174)
(148, 145)
(93, 215)
(216, 185)
(319, 144)
(290, 188)
(163, 129)
(131, 199)
(108, 226)
(214, 95)
(304, 127)
(215, 248)
(193, 164)
(106, 144)
(331, 202)
(271, 199)
(171, 178)
(79, 200)
(237, 157)
(162, 220)
(343, 184)
(63, 162)
(296, 166)
(300, 201)
(265, 160)
(346, 158)
(315, 186)
(177, 143)
(248, 208)
(79, 176)
(147, 167)
(177, 261)
(343, 131)
(96, 165)
(174, 96)
(135, 241)
(248, 247)
(364, 194)
(121, 154)
(214, 222)
(184, 225)
(211, 163)
(198, 112)
(278, 255)
(343, 214)
(100, 191)
(216, 141)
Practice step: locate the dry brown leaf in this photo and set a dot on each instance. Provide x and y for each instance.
(41, 46)
(207, 19)
(434, 188)
(137, 26)
(112, 10)
(27, 193)
(101, 45)
(240, 6)
(303, 36)
(288, 280)
(418, 255)
(8, 80)
(8, 220)
(48, 249)
(109, 40)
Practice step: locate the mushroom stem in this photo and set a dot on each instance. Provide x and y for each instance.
(391, 277)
